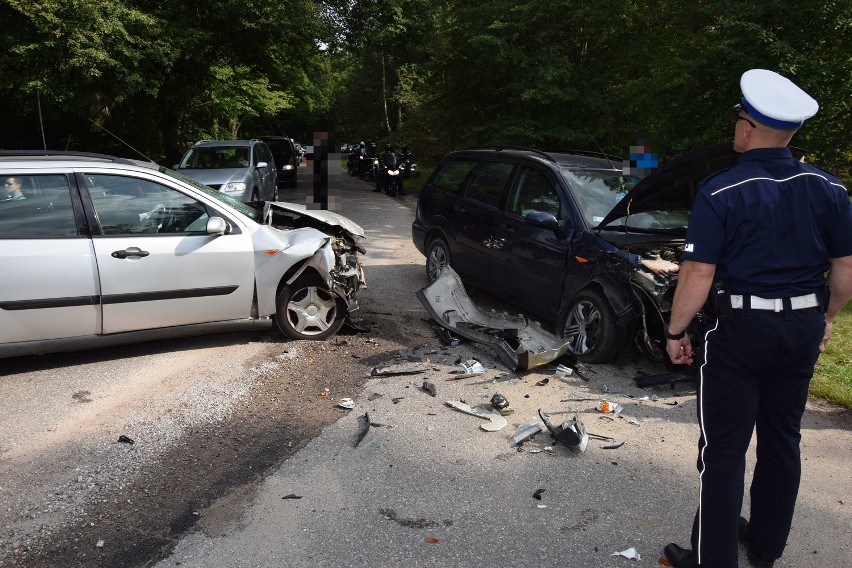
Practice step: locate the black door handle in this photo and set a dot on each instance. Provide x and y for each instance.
(126, 253)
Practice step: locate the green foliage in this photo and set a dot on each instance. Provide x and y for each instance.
(833, 375)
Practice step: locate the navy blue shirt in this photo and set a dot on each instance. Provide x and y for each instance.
(770, 224)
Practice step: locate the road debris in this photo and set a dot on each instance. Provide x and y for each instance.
(469, 368)
(125, 439)
(346, 403)
(430, 388)
(605, 406)
(495, 421)
(563, 371)
(537, 494)
(571, 433)
(409, 368)
(630, 553)
(527, 431)
(292, 496)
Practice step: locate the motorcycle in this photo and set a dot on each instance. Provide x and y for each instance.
(408, 168)
(391, 177)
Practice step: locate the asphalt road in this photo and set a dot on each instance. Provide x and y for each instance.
(427, 487)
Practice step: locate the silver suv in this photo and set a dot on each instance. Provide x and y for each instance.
(243, 169)
(99, 251)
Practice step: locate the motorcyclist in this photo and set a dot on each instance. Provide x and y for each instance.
(369, 157)
(406, 161)
(388, 158)
(352, 159)
(361, 155)
(405, 153)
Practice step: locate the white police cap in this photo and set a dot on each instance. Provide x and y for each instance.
(775, 100)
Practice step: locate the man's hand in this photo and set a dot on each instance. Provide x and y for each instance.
(680, 350)
(825, 337)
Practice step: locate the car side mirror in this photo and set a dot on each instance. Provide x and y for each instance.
(542, 219)
(217, 226)
(262, 165)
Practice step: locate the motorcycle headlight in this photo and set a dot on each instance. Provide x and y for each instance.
(393, 172)
(288, 167)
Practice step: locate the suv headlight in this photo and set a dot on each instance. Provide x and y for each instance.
(233, 186)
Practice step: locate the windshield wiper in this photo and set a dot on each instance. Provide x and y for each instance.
(646, 230)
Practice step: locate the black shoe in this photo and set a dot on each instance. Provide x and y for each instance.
(680, 557)
(753, 558)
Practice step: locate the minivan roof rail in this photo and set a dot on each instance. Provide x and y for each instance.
(71, 154)
(501, 147)
(590, 154)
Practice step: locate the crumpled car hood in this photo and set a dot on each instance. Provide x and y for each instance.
(674, 185)
(324, 217)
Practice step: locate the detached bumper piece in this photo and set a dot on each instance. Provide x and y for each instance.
(519, 344)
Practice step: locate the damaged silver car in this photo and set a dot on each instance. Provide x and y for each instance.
(569, 238)
(103, 251)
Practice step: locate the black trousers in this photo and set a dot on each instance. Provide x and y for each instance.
(755, 374)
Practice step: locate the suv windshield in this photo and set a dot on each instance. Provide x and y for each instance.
(216, 157)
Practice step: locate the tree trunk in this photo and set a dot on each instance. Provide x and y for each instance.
(385, 94)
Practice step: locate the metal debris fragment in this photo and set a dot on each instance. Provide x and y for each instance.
(495, 421)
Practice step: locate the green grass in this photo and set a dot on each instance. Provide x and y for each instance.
(833, 374)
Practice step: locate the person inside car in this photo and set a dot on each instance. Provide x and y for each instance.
(13, 186)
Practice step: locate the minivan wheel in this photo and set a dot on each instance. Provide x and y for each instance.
(307, 309)
(437, 258)
(591, 328)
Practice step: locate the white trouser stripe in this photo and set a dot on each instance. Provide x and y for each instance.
(703, 434)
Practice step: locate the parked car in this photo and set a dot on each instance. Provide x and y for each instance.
(105, 251)
(286, 159)
(567, 237)
(243, 169)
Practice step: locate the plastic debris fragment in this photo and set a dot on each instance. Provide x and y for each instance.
(125, 440)
(432, 540)
(469, 368)
(527, 431)
(346, 403)
(630, 553)
(606, 406)
(495, 421)
(537, 494)
(572, 433)
(292, 496)
(542, 382)
(563, 371)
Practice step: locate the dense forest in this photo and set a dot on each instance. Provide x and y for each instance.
(150, 77)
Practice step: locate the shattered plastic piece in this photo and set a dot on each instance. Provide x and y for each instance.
(430, 387)
(542, 382)
(100, 544)
(346, 403)
(495, 421)
(612, 446)
(563, 371)
(527, 431)
(606, 406)
(519, 344)
(125, 440)
(401, 369)
(630, 553)
(432, 540)
(537, 494)
(292, 496)
(469, 368)
(572, 434)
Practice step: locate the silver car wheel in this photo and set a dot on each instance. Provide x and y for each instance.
(582, 327)
(437, 258)
(307, 309)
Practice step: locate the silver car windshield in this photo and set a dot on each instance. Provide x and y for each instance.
(216, 158)
(598, 191)
(249, 212)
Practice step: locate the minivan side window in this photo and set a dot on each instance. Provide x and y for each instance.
(489, 183)
(36, 206)
(452, 176)
(533, 192)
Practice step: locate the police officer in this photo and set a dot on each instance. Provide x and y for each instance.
(770, 227)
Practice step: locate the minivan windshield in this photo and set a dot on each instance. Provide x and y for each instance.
(598, 191)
